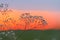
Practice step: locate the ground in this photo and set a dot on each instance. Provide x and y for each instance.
(30, 35)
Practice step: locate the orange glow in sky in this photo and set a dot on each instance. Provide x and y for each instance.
(15, 23)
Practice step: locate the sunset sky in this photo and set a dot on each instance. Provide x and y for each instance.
(49, 9)
(33, 4)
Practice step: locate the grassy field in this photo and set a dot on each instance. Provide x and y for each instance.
(30, 35)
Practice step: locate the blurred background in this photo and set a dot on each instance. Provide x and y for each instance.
(41, 5)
